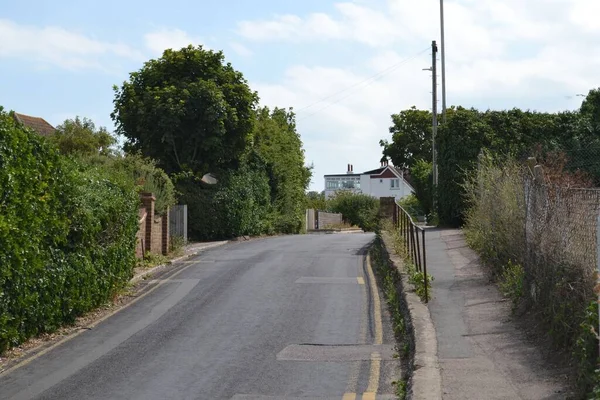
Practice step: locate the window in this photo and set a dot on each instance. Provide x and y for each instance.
(394, 183)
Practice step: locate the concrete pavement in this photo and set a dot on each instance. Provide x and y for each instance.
(283, 318)
(482, 353)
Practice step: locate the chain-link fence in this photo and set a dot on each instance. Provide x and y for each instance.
(548, 230)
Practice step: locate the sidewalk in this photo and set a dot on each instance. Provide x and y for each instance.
(481, 352)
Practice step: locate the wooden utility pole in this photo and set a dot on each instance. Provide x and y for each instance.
(443, 46)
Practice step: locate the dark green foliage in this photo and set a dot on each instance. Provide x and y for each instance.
(67, 235)
(513, 133)
(144, 174)
(278, 143)
(188, 110)
(411, 138)
(357, 209)
(585, 353)
(412, 206)
(421, 175)
(316, 201)
(238, 205)
(80, 136)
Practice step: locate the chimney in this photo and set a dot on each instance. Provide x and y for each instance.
(349, 170)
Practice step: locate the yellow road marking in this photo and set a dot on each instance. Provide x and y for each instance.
(349, 396)
(376, 304)
(375, 371)
(361, 280)
(92, 325)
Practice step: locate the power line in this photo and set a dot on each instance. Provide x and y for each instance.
(365, 82)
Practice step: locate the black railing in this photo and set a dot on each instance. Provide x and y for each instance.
(415, 247)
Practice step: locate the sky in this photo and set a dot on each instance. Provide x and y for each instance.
(344, 66)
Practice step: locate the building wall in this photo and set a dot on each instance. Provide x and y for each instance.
(381, 187)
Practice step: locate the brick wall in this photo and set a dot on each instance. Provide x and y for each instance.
(154, 229)
(387, 205)
(156, 246)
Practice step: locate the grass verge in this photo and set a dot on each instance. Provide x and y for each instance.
(390, 282)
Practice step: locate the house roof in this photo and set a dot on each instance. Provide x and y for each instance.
(338, 175)
(40, 125)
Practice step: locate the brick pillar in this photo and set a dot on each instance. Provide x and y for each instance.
(148, 203)
(386, 207)
(165, 234)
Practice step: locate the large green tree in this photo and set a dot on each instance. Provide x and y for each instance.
(188, 109)
(80, 136)
(279, 145)
(411, 138)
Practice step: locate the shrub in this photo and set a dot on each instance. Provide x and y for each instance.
(412, 206)
(356, 208)
(143, 173)
(539, 240)
(67, 235)
(238, 205)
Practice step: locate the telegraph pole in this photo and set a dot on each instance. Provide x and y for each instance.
(443, 46)
(434, 50)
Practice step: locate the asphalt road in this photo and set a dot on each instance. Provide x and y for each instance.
(281, 318)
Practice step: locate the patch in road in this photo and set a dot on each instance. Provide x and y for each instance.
(346, 396)
(336, 353)
(335, 280)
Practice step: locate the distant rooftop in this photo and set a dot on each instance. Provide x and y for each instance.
(40, 125)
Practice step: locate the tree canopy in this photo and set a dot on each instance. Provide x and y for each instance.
(80, 136)
(188, 109)
(411, 138)
(278, 143)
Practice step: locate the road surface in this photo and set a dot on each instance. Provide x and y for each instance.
(283, 318)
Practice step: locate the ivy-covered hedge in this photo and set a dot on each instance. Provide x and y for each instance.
(238, 205)
(67, 235)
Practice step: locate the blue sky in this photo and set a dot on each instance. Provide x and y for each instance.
(60, 59)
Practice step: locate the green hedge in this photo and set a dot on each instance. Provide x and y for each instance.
(238, 205)
(357, 209)
(67, 235)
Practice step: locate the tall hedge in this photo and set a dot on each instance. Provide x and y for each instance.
(67, 235)
(240, 204)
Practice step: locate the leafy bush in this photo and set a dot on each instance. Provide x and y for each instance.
(412, 206)
(238, 205)
(67, 235)
(512, 283)
(531, 236)
(141, 172)
(357, 209)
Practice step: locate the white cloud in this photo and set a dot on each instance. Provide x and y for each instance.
(505, 53)
(163, 39)
(240, 49)
(57, 46)
(585, 15)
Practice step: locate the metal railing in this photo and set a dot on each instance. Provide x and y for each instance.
(415, 247)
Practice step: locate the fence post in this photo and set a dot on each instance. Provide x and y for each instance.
(407, 228)
(598, 263)
(418, 247)
(425, 268)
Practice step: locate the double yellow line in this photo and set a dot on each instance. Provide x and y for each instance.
(375, 370)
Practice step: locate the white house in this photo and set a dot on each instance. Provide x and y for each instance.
(386, 181)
